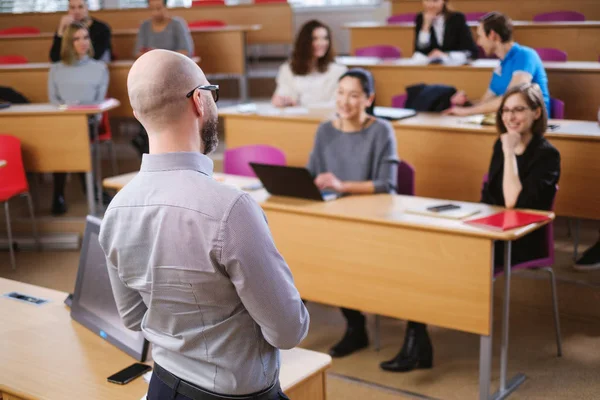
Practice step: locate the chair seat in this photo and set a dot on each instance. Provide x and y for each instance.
(537, 263)
(8, 192)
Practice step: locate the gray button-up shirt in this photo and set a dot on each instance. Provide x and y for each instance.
(193, 265)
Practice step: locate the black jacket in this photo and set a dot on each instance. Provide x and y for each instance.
(99, 35)
(539, 172)
(457, 36)
(422, 97)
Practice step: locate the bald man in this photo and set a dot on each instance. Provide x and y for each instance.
(191, 261)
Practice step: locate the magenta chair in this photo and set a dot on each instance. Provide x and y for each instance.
(541, 264)
(237, 161)
(399, 101)
(402, 18)
(551, 54)
(474, 16)
(559, 16)
(557, 108)
(405, 186)
(382, 51)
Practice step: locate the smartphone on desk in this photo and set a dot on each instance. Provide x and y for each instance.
(443, 207)
(128, 374)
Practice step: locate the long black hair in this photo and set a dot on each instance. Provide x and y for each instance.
(367, 83)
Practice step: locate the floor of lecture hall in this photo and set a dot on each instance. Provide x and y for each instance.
(455, 372)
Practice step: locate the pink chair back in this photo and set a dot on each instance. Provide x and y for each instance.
(559, 16)
(557, 108)
(13, 59)
(237, 161)
(202, 3)
(551, 54)
(383, 51)
(474, 16)
(406, 179)
(402, 18)
(20, 30)
(207, 23)
(481, 54)
(399, 101)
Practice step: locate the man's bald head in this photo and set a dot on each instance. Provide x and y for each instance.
(157, 84)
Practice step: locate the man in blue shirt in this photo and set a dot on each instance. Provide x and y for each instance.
(518, 64)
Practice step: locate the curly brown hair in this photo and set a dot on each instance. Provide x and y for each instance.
(302, 55)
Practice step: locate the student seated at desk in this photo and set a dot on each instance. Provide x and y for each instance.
(76, 79)
(310, 77)
(523, 173)
(99, 31)
(443, 34)
(163, 32)
(518, 64)
(354, 154)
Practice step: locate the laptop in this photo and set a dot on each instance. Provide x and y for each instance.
(291, 182)
(393, 114)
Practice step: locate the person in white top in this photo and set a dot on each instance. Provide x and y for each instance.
(309, 78)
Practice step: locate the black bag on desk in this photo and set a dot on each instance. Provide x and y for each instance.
(424, 97)
(12, 96)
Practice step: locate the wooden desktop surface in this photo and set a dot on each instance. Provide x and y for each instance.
(47, 355)
(275, 18)
(516, 9)
(577, 83)
(438, 146)
(52, 140)
(578, 39)
(222, 49)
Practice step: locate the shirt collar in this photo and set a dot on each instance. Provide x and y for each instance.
(513, 50)
(177, 161)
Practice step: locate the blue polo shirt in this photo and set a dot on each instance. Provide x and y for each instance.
(520, 58)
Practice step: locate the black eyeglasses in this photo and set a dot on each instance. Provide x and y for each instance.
(214, 90)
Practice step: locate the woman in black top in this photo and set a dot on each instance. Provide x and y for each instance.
(443, 34)
(523, 173)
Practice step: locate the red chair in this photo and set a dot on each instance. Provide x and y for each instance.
(383, 51)
(237, 161)
(399, 101)
(551, 54)
(207, 23)
(20, 30)
(13, 59)
(201, 3)
(105, 136)
(13, 182)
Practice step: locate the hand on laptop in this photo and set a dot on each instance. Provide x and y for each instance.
(327, 180)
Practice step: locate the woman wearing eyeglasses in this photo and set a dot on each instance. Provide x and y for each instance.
(310, 77)
(523, 173)
(76, 79)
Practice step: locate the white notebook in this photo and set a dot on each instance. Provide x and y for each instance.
(462, 212)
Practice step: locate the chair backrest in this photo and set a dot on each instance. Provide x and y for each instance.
(237, 161)
(481, 54)
(559, 16)
(201, 3)
(402, 18)
(557, 108)
(13, 59)
(13, 173)
(206, 23)
(551, 54)
(383, 51)
(406, 179)
(399, 101)
(474, 16)
(104, 130)
(20, 30)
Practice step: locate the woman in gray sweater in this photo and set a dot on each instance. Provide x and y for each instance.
(354, 154)
(76, 79)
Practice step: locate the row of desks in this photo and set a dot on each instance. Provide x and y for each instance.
(516, 9)
(578, 39)
(276, 19)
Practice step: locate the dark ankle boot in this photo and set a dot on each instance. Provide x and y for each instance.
(354, 339)
(59, 206)
(417, 351)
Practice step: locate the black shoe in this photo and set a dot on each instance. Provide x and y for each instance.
(417, 351)
(353, 340)
(589, 260)
(59, 206)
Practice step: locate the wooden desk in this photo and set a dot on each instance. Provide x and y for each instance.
(516, 9)
(46, 355)
(575, 83)
(451, 146)
(275, 18)
(578, 39)
(54, 140)
(346, 253)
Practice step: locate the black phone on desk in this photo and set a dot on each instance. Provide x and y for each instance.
(443, 207)
(128, 374)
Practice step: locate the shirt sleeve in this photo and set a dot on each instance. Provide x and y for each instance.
(539, 186)
(423, 40)
(525, 63)
(386, 171)
(101, 40)
(285, 82)
(183, 38)
(53, 93)
(129, 302)
(260, 275)
(55, 49)
(103, 86)
(141, 41)
(314, 160)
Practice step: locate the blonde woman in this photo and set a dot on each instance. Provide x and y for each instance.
(76, 79)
